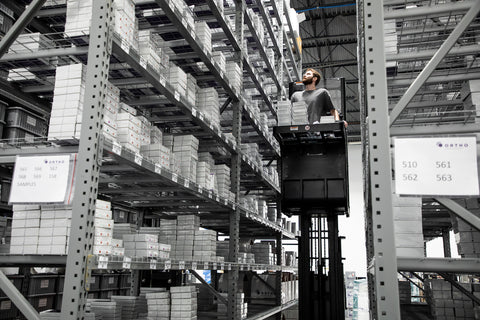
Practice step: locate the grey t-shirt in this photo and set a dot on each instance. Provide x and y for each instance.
(318, 102)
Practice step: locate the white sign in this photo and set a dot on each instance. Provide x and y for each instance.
(41, 179)
(436, 166)
(153, 264)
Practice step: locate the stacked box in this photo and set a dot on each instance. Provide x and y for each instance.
(183, 303)
(128, 128)
(263, 253)
(150, 51)
(163, 248)
(126, 108)
(79, 17)
(20, 74)
(205, 245)
(448, 302)
(251, 150)
(30, 42)
(284, 113)
(222, 180)
(130, 306)
(272, 214)
(204, 35)
(117, 247)
(299, 113)
(168, 233)
(141, 245)
(5, 234)
(471, 97)
(123, 228)
(467, 237)
(250, 203)
(145, 128)
(112, 107)
(208, 104)
(205, 177)
(157, 153)
(106, 309)
(102, 242)
(219, 58)
(405, 292)
(26, 229)
(187, 225)
(158, 305)
(262, 208)
(390, 40)
(241, 305)
(156, 135)
(235, 75)
(178, 79)
(291, 258)
(407, 215)
(223, 249)
(186, 149)
(191, 89)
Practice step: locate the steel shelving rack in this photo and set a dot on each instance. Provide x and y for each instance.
(422, 48)
(101, 162)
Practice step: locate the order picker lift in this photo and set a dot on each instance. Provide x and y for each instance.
(314, 184)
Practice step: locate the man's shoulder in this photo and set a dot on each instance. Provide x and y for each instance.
(296, 95)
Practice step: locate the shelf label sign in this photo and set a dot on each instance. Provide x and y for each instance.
(445, 166)
(126, 262)
(42, 179)
(153, 264)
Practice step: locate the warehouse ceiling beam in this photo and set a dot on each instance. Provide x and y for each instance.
(20, 25)
(460, 211)
(427, 54)
(17, 298)
(436, 59)
(433, 10)
(463, 265)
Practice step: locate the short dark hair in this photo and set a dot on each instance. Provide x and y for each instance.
(315, 74)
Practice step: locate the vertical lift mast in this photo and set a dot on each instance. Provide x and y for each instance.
(314, 182)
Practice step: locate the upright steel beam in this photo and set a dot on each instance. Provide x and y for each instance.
(278, 275)
(21, 23)
(17, 298)
(435, 61)
(460, 211)
(383, 263)
(446, 243)
(233, 310)
(88, 164)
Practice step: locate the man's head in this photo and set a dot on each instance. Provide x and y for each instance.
(311, 75)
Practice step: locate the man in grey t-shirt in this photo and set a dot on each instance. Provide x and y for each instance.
(318, 100)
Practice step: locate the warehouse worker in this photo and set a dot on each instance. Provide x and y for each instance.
(318, 100)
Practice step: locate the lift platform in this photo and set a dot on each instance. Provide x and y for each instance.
(314, 184)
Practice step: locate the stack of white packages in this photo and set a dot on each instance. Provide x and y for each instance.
(191, 89)
(263, 253)
(158, 305)
(272, 214)
(149, 50)
(208, 104)
(241, 305)
(145, 128)
(407, 216)
(178, 79)
(186, 227)
(186, 148)
(126, 108)
(250, 203)
(117, 247)
(204, 35)
(183, 303)
(219, 58)
(30, 42)
(141, 245)
(262, 208)
(156, 135)
(102, 242)
(235, 75)
(390, 40)
(123, 228)
(270, 56)
(223, 249)
(20, 74)
(109, 310)
(130, 306)
(205, 178)
(205, 245)
(299, 113)
(222, 178)
(125, 21)
(174, 165)
(251, 150)
(128, 129)
(168, 233)
(112, 108)
(263, 121)
(163, 248)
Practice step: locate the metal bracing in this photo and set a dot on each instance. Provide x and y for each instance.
(464, 265)
(431, 10)
(460, 211)
(383, 264)
(17, 298)
(19, 25)
(426, 54)
(435, 61)
(88, 163)
(448, 277)
(209, 287)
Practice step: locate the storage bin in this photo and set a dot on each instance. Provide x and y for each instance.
(95, 280)
(8, 310)
(42, 302)
(42, 284)
(3, 110)
(20, 118)
(109, 281)
(17, 280)
(15, 133)
(106, 294)
(125, 281)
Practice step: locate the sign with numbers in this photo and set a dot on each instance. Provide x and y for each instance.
(437, 166)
